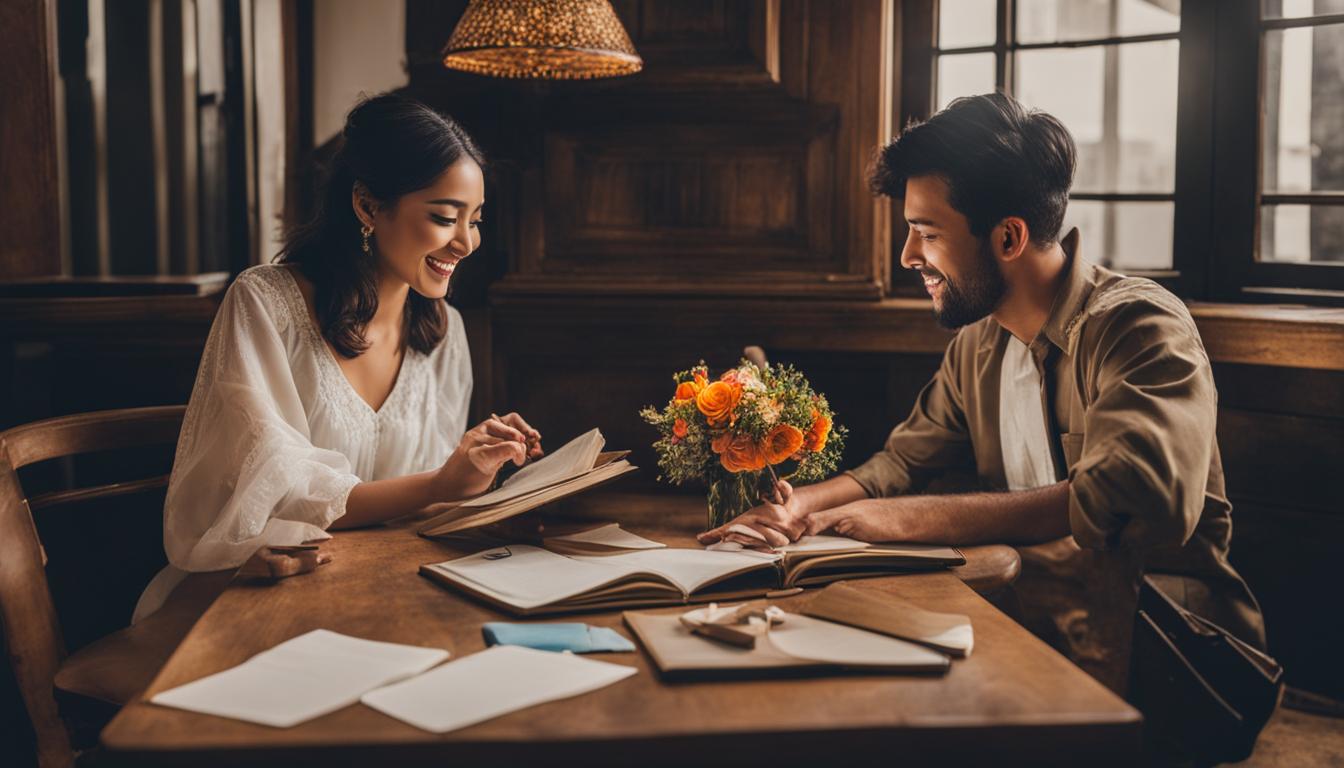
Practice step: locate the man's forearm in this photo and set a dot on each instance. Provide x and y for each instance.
(1018, 517)
(837, 491)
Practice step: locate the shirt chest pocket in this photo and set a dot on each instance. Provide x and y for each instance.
(1072, 443)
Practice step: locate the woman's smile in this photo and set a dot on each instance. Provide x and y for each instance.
(442, 268)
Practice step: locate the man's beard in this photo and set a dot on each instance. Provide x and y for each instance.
(974, 296)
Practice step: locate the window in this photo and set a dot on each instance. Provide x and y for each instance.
(1222, 182)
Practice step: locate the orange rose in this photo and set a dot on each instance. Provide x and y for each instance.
(720, 444)
(781, 443)
(717, 402)
(740, 454)
(685, 391)
(679, 428)
(818, 434)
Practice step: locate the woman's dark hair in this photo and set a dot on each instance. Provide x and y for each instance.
(998, 159)
(392, 145)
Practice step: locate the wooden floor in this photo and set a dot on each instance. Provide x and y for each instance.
(1293, 739)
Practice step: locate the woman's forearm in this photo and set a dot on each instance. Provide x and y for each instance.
(378, 500)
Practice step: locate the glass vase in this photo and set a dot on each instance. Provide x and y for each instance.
(730, 496)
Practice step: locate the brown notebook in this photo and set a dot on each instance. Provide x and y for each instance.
(849, 604)
(577, 466)
(799, 644)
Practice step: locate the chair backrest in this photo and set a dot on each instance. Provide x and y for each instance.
(27, 614)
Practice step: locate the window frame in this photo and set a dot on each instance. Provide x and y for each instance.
(1238, 199)
(1217, 199)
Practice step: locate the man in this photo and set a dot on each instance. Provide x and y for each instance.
(1082, 398)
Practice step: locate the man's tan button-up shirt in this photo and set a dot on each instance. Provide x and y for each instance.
(1131, 407)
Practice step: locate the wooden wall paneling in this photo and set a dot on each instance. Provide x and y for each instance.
(1290, 559)
(30, 192)
(82, 67)
(704, 43)
(136, 180)
(693, 167)
(180, 113)
(1282, 460)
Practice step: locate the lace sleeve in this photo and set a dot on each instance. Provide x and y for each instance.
(245, 472)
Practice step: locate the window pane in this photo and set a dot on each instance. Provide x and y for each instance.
(1049, 21)
(1295, 9)
(966, 74)
(1303, 110)
(1128, 145)
(964, 23)
(1123, 236)
(1302, 233)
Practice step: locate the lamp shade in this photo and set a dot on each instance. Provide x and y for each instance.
(551, 39)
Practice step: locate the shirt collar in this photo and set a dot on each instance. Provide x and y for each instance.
(1074, 289)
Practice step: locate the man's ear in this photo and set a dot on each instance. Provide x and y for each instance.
(1010, 238)
(363, 203)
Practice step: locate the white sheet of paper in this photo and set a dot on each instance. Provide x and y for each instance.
(302, 678)
(570, 460)
(611, 535)
(485, 685)
(807, 638)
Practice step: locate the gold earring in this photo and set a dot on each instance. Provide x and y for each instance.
(366, 230)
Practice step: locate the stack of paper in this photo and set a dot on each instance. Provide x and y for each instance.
(491, 683)
(302, 678)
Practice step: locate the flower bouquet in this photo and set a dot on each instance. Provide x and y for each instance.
(733, 432)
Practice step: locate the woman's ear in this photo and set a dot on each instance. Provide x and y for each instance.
(363, 203)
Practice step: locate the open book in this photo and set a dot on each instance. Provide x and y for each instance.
(578, 465)
(526, 580)
(800, 643)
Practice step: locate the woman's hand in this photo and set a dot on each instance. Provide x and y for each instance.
(275, 563)
(485, 448)
(777, 519)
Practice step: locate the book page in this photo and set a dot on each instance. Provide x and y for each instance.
(300, 679)
(610, 536)
(815, 640)
(570, 460)
(527, 577)
(688, 569)
(823, 543)
(493, 682)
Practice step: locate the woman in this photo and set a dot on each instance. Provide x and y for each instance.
(333, 389)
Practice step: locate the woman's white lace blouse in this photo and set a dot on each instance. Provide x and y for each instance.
(275, 436)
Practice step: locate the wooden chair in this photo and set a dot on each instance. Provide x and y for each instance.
(112, 670)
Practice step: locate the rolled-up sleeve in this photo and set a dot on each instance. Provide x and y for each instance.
(1149, 432)
(932, 440)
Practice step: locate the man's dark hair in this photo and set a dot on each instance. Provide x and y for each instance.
(997, 158)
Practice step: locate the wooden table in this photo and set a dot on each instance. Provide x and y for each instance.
(1013, 701)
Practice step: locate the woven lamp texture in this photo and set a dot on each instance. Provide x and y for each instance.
(549, 39)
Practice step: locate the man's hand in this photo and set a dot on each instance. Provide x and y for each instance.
(777, 520)
(861, 520)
